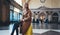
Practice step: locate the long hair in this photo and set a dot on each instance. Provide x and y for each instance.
(26, 6)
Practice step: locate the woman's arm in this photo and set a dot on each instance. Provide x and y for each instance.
(27, 18)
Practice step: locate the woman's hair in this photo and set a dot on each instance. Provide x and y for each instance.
(26, 6)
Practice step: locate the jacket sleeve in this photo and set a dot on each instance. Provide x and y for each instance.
(27, 18)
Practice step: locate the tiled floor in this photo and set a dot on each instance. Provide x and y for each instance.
(36, 31)
(46, 26)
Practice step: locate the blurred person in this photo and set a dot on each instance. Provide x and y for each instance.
(27, 16)
(15, 27)
(46, 23)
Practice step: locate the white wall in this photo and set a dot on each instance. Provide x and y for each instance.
(48, 3)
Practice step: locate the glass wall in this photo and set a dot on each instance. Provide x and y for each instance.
(11, 13)
(15, 14)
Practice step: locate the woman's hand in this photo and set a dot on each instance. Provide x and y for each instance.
(22, 20)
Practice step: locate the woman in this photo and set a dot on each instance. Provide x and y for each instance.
(26, 26)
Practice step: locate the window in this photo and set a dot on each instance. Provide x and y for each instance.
(15, 16)
(21, 15)
(11, 15)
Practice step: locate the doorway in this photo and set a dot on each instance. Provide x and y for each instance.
(55, 17)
